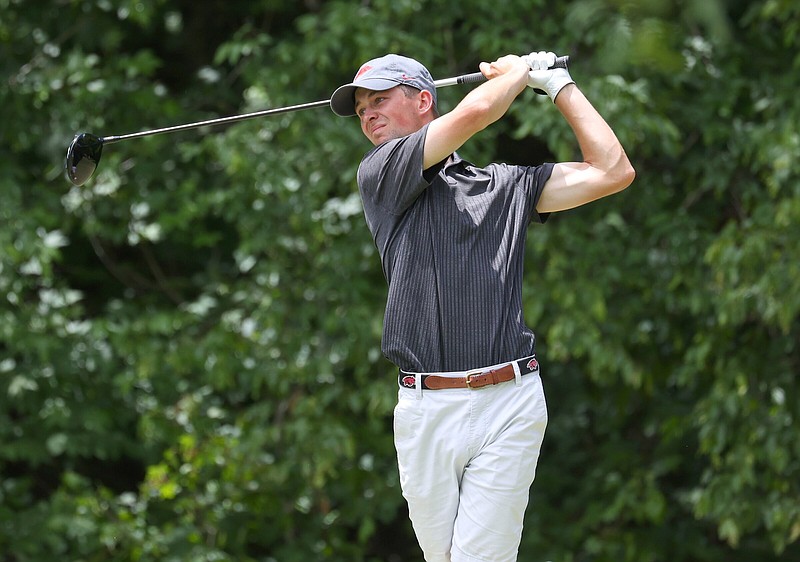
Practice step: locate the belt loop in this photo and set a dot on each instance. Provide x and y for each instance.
(517, 373)
(418, 384)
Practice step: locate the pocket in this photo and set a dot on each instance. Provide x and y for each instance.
(538, 402)
(407, 415)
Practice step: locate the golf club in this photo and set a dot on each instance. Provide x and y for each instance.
(83, 154)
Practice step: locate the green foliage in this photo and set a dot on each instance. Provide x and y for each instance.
(190, 362)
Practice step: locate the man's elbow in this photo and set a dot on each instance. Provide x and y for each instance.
(621, 176)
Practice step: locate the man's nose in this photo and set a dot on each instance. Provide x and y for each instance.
(366, 117)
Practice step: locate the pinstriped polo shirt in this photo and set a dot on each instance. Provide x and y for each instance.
(451, 243)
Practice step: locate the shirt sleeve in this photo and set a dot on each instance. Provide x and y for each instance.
(391, 177)
(532, 180)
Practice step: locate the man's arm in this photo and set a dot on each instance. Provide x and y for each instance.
(480, 108)
(605, 168)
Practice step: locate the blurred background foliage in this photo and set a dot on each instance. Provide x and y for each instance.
(190, 362)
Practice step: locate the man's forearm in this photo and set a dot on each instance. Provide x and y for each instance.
(598, 142)
(491, 100)
(480, 108)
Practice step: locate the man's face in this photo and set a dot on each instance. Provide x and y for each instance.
(389, 114)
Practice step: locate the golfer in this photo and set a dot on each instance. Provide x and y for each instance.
(471, 412)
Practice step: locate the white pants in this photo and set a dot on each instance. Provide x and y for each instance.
(467, 459)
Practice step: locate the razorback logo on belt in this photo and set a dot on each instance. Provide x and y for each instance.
(533, 364)
(409, 381)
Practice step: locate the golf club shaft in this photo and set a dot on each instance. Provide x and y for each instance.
(218, 121)
(463, 79)
(473, 78)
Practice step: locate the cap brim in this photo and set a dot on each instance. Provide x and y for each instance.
(343, 99)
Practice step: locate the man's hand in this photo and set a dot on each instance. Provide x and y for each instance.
(504, 65)
(542, 78)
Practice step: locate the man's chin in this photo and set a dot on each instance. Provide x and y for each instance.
(384, 136)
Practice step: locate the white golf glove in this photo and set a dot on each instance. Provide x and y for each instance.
(543, 79)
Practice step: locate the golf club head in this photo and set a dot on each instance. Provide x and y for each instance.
(83, 155)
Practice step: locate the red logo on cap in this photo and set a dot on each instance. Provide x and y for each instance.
(362, 70)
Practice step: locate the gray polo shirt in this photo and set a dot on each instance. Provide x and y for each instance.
(452, 243)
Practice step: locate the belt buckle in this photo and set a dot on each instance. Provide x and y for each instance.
(468, 379)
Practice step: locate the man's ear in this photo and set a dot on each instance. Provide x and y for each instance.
(425, 101)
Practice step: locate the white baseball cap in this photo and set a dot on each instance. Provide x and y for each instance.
(381, 74)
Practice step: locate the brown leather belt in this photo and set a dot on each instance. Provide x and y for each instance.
(472, 380)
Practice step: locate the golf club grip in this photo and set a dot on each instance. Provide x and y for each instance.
(476, 77)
